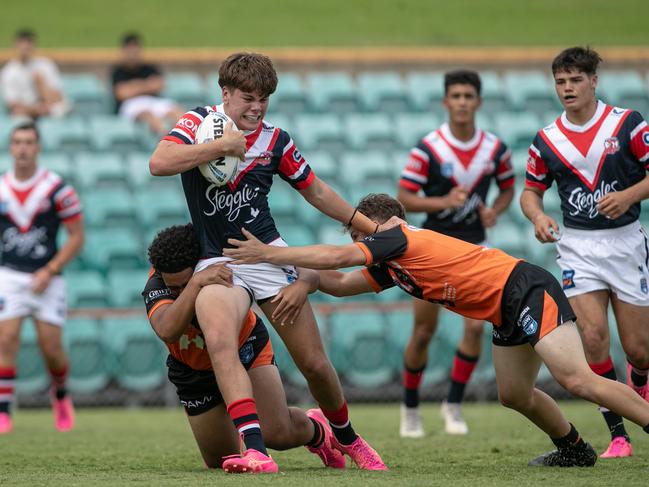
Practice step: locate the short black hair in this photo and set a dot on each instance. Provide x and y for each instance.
(25, 126)
(462, 77)
(25, 34)
(175, 249)
(131, 38)
(380, 207)
(582, 59)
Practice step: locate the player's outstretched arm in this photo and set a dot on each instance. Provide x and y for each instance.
(545, 227)
(252, 251)
(170, 158)
(342, 284)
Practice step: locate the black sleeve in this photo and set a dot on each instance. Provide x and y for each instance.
(386, 245)
(381, 274)
(155, 291)
(118, 75)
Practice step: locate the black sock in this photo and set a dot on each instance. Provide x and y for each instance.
(646, 429)
(318, 434)
(344, 434)
(411, 382)
(60, 392)
(252, 439)
(4, 407)
(638, 380)
(613, 420)
(571, 439)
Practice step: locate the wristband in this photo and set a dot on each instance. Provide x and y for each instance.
(349, 223)
(376, 230)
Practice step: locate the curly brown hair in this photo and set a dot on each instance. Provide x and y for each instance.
(249, 72)
(175, 249)
(380, 207)
(582, 59)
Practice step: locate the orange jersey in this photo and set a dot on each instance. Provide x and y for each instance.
(190, 348)
(463, 277)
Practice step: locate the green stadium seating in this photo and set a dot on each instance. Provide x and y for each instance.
(290, 96)
(485, 371)
(371, 131)
(426, 90)
(109, 207)
(297, 235)
(285, 362)
(517, 129)
(154, 211)
(382, 91)
(213, 90)
(282, 200)
(186, 88)
(531, 91)
(89, 365)
(87, 93)
(324, 165)
(32, 374)
(493, 93)
(361, 349)
(61, 164)
(97, 170)
(333, 233)
(113, 248)
(137, 354)
(332, 92)
(115, 134)
(69, 135)
(86, 289)
(412, 127)
(387, 186)
(508, 237)
(324, 131)
(625, 89)
(140, 178)
(125, 287)
(362, 168)
(283, 121)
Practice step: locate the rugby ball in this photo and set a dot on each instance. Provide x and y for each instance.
(222, 170)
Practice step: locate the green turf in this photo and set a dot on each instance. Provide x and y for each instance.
(260, 23)
(155, 447)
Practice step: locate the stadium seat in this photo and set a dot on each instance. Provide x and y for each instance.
(285, 362)
(508, 237)
(69, 135)
(382, 91)
(517, 129)
(283, 121)
(361, 349)
(290, 96)
(530, 91)
(332, 92)
(283, 200)
(33, 376)
(96, 170)
(324, 165)
(426, 90)
(484, 372)
(493, 93)
(109, 207)
(137, 354)
(326, 132)
(89, 364)
(213, 90)
(387, 186)
(140, 178)
(296, 235)
(371, 131)
(115, 134)
(412, 127)
(625, 89)
(86, 289)
(333, 233)
(125, 287)
(87, 93)
(154, 211)
(363, 168)
(61, 164)
(113, 248)
(185, 88)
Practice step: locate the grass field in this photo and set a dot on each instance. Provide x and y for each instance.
(155, 447)
(262, 23)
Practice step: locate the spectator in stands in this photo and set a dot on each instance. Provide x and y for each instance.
(34, 202)
(137, 87)
(31, 86)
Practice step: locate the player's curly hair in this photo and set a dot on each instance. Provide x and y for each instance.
(380, 207)
(249, 72)
(175, 249)
(582, 59)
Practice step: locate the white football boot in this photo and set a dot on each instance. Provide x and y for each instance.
(454, 423)
(411, 424)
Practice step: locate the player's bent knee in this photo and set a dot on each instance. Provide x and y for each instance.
(579, 384)
(314, 367)
(514, 400)
(423, 334)
(637, 355)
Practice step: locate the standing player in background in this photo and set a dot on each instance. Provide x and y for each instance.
(33, 204)
(598, 155)
(169, 297)
(454, 167)
(218, 213)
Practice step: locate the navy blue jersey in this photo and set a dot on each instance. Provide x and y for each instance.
(219, 213)
(609, 153)
(440, 161)
(31, 212)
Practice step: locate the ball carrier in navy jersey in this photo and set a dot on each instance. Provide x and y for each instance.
(598, 155)
(33, 203)
(247, 81)
(454, 167)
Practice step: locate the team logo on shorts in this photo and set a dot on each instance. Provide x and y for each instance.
(567, 279)
(246, 353)
(611, 145)
(447, 169)
(643, 285)
(291, 274)
(529, 324)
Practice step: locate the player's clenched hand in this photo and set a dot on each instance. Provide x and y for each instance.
(291, 299)
(488, 216)
(613, 205)
(456, 197)
(214, 274)
(544, 225)
(250, 251)
(232, 142)
(40, 280)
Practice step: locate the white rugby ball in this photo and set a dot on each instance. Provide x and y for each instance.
(222, 170)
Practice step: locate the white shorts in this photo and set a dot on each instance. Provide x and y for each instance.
(134, 107)
(616, 259)
(261, 280)
(18, 301)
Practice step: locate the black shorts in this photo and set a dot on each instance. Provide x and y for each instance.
(197, 389)
(533, 304)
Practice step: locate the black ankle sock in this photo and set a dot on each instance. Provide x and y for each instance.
(613, 420)
(637, 379)
(318, 434)
(345, 434)
(456, 392)
(646, 429)
(4, 407)
(61, 392)
(252, 439)
(411, 398)
(571, 439)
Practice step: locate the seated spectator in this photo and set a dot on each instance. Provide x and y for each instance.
(31, 86)
(137, 87)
